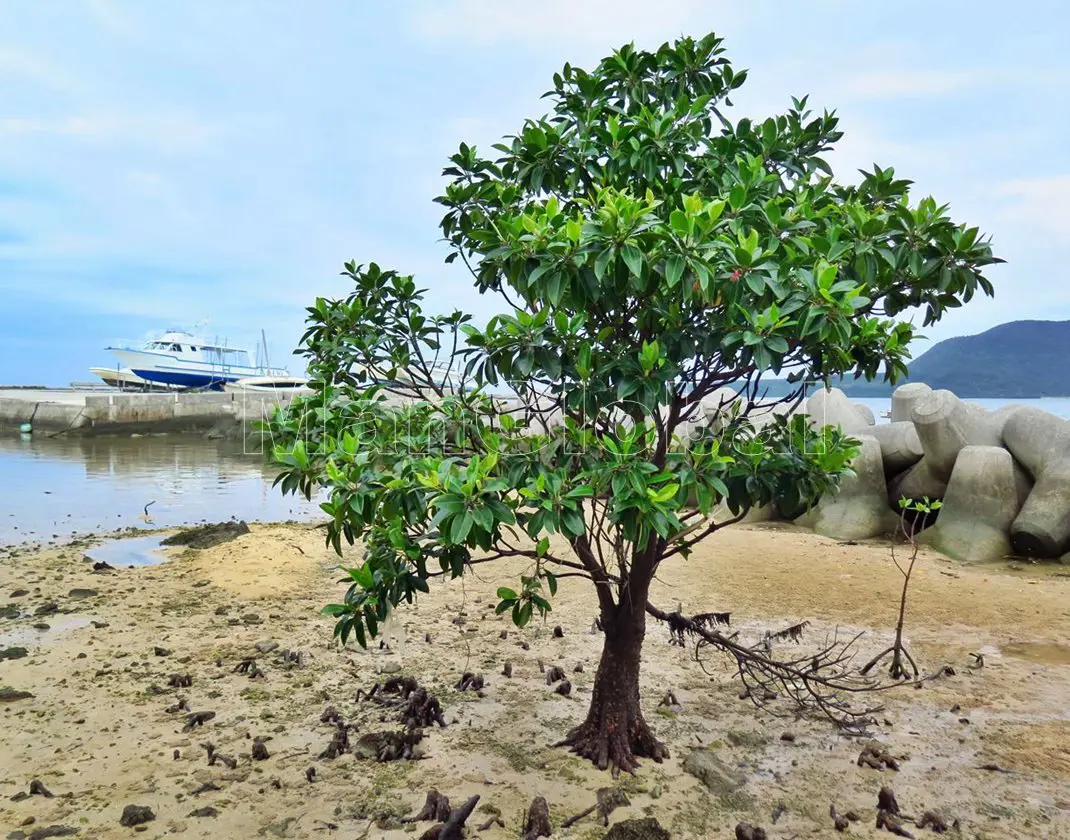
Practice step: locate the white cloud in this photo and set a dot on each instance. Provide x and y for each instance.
(14, 62)
(594, 22)
(169, 132)
(1041, 201)
(110, 17)
(892, 85)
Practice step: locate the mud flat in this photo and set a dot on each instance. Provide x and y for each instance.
(97, 734)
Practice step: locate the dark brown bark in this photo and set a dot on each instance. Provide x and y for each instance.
(615, 735)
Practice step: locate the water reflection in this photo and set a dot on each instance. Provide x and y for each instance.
(129, 551)
(55, 487)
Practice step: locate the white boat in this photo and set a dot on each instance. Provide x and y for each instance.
(126, 380)
(269, 385)
(180, 359)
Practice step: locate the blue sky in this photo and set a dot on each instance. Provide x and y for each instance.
(162, 163)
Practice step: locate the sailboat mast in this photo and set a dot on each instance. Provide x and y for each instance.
(267, 362)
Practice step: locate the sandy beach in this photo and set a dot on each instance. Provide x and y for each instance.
(100, 733)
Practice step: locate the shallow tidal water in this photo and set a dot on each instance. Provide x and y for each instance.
(56, 488)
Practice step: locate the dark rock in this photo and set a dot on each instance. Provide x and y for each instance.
(103, 567)
(251, 618)
(266, 647)
(136, 815)
(208, 536)
(161, 651)
(99, 625)
(10, 695)
(18, 593)
(13, 653)
(746, 831)
(79, 594)
(260, 752)
(644, 829)
(222, 609)
(9, 611)
(51, 831)
(207, 811)
(49, 608)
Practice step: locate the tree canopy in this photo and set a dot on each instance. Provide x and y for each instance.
(646, 251)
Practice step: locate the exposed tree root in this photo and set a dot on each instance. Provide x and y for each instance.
(608, 800)
(249, 668)
(388, 746)
(877, 757)
(537, 823)
(415, 707)
(197, 719)
(453, 827)
(339, 743)
(554, 674)
(469, 682)
(609, 745)
(436, 808)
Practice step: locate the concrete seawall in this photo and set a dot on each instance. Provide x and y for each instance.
(94, 413)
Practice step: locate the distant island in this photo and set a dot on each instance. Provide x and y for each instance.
(1016, 360)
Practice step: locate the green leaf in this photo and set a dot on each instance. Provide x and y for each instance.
(602, 262)
(460, 526)
(633, 258)
(674, 270)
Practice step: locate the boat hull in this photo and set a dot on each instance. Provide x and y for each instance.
(125, 379)
(280, 385)
(180, 373)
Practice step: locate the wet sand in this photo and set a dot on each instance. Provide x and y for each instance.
(97, 732)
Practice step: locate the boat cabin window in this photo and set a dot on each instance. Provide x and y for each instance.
(177, 348)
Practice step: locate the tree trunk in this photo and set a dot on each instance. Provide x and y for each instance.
(615, 735)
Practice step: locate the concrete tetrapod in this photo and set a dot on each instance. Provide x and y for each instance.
(978, 508)
(918, 482)
(718, 408)
(1041, 441)
(900, 445)
(831, 407)
(859, 509)
(905, 397)
(945, 424)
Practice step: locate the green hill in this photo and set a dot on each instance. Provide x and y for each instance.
(1017, 360)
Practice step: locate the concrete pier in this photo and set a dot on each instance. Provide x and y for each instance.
(94, 412)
